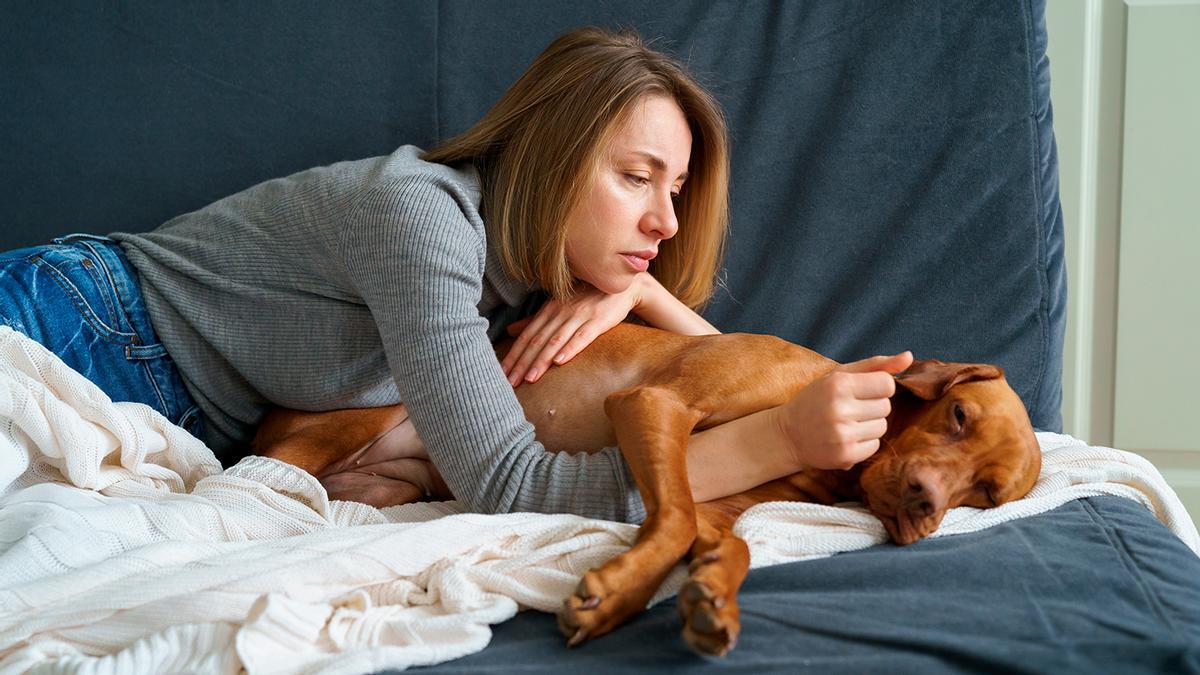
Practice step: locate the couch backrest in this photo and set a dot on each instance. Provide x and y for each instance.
(894, 173)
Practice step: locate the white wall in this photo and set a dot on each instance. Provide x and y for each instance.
(1125, 84)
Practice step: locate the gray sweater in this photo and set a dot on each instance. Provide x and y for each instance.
(364, 284)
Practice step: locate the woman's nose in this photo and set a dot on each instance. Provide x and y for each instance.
(660, 219)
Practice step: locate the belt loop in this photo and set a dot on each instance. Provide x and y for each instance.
(142, 352)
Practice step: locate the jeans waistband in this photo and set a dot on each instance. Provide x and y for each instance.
(124, 280)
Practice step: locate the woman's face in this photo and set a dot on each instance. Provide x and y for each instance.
(615, 229)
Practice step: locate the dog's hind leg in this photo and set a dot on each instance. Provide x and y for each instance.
(708, 600)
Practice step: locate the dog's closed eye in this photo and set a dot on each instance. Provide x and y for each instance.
(958, 422)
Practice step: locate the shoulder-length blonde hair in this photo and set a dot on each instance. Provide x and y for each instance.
(538, 149)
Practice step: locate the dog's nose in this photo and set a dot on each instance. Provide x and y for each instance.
(924, 495)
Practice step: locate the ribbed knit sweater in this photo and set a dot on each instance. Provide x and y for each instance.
(363, 284)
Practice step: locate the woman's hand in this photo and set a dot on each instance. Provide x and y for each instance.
(837, 421)
(560, 330)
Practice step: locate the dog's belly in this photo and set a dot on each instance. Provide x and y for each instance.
(566, 406)
(575, 423)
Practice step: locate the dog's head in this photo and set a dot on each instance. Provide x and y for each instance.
(958, 435)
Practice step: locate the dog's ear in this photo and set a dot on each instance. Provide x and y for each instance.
(930, 379)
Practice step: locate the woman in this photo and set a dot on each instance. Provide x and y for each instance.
(599, 178)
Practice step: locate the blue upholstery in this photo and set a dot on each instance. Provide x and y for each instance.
(894, 176)
(1094, 586)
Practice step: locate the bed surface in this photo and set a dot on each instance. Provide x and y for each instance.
(1094, 586)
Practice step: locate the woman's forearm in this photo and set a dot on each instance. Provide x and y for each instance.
(739, 455)
(659, 308)
(735, 456)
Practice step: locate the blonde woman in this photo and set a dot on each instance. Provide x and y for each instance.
(600, 178)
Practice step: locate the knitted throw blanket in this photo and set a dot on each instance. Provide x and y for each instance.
(125, 548)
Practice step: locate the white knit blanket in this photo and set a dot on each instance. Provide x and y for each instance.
(125, 548)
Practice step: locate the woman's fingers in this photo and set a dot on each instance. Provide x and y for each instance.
(540, 349)
(530, 334)
(863, 410)
(872, 386)
(893, 364)
(862, 450)
(848, 387)
(559, 338)
(582, 338)
(523, 354)
(870, 430)
(560, 330)
(872, 378)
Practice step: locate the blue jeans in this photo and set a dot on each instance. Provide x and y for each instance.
(80, 298)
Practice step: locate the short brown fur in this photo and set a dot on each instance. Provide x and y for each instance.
(957, 435)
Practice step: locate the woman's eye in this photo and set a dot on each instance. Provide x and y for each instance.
(637, 180)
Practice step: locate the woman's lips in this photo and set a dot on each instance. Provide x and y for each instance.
(638, 264)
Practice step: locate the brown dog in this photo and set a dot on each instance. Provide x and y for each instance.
(957, 435)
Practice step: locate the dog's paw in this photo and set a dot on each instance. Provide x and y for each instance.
(709, 610)
(710, 619)
(595, 609)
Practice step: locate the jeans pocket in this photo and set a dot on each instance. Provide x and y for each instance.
(89, 290)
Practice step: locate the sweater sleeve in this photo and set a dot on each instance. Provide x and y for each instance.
(416, 257)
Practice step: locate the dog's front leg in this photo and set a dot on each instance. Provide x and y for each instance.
(652, 426)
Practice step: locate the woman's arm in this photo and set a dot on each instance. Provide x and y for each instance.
(833, 423)
(739, 455)
(561, 329)
(805, 431)
(659, 308)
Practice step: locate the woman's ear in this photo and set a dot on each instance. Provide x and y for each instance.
(930, 379)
